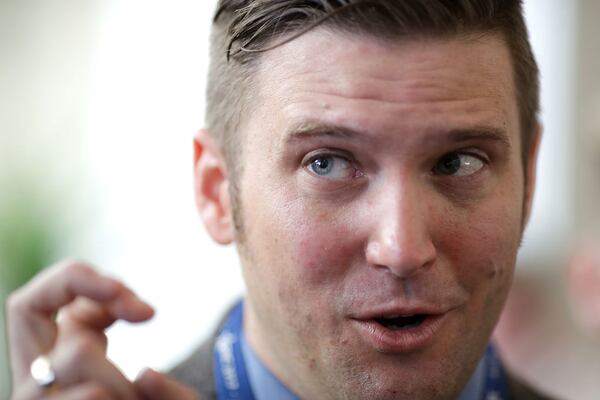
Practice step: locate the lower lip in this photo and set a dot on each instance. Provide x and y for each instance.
(403, 340)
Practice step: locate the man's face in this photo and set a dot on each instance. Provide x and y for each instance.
(381, 180)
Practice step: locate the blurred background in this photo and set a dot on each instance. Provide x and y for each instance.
(99, 100)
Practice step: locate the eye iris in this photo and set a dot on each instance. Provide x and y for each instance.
(322, 165)
(450, 165)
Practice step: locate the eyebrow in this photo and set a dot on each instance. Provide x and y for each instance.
(307, 130)
(483, 133)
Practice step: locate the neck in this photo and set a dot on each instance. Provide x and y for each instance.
(280, 358)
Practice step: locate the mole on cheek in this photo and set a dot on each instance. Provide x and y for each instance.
(323, 215)
(495, 272)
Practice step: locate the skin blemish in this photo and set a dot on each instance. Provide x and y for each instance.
(493, 273)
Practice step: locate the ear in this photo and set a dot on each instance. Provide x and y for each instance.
(211, 188)
(532, 159)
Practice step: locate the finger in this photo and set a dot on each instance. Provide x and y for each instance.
(152, 385)
(88, 391)
(60, 284)
(79, 362)
(31, 309)
(82, 360)
(92, 315)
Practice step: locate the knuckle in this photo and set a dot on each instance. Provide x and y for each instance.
(15, 303)
(74, 266)
(81, 349)
(95, 391)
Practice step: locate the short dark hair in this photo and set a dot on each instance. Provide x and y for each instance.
(243, 29)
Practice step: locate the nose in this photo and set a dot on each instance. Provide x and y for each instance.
(401, 241)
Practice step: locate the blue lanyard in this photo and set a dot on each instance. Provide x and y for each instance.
(228, 361)
(232, 381)
(496, 387)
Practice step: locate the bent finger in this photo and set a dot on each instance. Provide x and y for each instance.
(30, 310)
(88, 391)
(60, 284)
(152, 385)
(86, 314)
(80, 362)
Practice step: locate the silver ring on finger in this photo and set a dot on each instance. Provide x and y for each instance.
(42, 372)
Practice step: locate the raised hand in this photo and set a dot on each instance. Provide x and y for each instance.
(75, 344)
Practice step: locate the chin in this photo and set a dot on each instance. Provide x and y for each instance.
(375, 388)
(393, 377)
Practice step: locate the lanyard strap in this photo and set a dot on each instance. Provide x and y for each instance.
(232, 381)
(230, 370)
(496, 387)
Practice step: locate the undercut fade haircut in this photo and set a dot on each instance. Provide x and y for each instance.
(244, 29)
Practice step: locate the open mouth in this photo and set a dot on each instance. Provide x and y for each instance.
(398, 322)
(400, 332)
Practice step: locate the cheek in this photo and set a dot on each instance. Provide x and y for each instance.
(323, 246)
(299, 244)
(483, 251)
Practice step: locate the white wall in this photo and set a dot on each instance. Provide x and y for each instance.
(552, 30)
(148, 101)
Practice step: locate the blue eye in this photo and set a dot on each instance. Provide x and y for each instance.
(331, 167)
(458, 164)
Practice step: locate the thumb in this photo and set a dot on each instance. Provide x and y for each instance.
(152, 385)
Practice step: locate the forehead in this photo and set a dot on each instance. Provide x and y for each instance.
(417, 84)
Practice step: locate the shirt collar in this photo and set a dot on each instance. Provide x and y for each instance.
(264, 384)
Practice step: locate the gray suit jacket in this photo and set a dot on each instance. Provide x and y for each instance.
(197, 372)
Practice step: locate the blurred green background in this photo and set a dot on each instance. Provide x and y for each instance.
(45, 65)
(29, 239)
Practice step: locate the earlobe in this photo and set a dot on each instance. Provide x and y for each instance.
(531, 172)
(211, 188)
